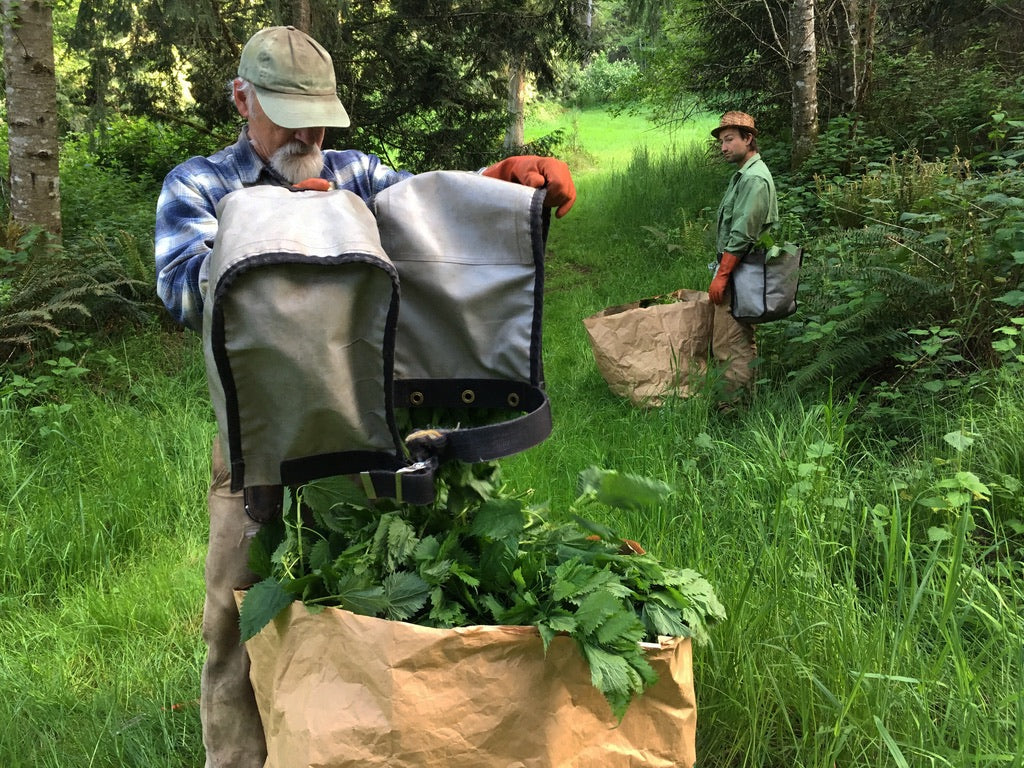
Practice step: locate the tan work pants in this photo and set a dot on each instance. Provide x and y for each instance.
(733, 346)
(232, 729)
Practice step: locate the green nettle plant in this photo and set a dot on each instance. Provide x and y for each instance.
(479, 555)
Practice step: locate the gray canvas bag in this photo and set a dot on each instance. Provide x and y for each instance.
(765, 282)
(470, 256)
(323, 315)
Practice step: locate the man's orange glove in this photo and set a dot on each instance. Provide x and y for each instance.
(717, 288)
(534, 171)
(314, 184)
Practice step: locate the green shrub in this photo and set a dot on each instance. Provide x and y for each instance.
(601, 82)
(939, 105)
(919, 287)
(146, 149)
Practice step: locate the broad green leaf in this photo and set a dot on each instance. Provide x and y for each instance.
(462, 574)
(959, 440)
(499, 519)
(320, 555)
(623, 491)
(562, 622)
(595, 609)
(357, 593)
(970, 482)
(619, 629)
(660, 620)
(497, 561)
(399, 541)
(406, 593)
(261, 605)
(1014, 298)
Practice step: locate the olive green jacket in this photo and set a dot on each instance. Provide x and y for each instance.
(748, 210)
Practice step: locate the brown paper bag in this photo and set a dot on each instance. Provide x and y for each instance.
(337, 689)
(653, 348)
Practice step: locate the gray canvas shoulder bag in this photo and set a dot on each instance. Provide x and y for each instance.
(325, 315)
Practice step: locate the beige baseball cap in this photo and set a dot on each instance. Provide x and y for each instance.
(294, 79)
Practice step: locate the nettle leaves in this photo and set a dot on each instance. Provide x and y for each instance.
(482, 556)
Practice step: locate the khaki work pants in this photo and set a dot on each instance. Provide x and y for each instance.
(733, 347)
(232, 729)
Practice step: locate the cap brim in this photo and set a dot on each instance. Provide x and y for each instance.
(719, 129)
(294, 111)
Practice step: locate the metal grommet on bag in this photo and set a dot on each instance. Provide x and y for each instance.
(513, 399)
(468, 396)
(416, 398)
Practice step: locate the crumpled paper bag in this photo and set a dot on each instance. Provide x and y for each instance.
(654, 348)
(337, 689)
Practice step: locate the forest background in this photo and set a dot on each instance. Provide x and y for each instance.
(862, 520)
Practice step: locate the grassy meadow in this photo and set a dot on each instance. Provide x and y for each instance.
(874, 588)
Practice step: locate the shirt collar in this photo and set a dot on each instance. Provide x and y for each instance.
(750, 161)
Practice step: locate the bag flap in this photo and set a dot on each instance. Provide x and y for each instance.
(470, 253)
(299, 331)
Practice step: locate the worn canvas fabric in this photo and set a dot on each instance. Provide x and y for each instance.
(299, 333)
(324, 314)
(469, 252)
(654, 348)
(765, 283)
(338, 690)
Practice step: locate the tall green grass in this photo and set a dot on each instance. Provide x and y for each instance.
(103, 484)
(874, 592)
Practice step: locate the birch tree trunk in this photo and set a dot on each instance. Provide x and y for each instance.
(856, 47)
(32, 113)
(849, 51)
(866, 33)
(515, 135)
(803, 58)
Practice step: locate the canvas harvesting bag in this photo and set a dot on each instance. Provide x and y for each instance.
(324, 316)
(765, 282)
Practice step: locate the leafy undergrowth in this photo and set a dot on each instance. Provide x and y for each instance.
(481, 556)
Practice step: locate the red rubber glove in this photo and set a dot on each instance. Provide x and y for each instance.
(534, 171)
(716, 291)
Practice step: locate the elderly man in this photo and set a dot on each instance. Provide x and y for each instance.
(747, 212)
(287, 93)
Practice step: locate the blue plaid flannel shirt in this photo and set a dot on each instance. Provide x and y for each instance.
(186, 219)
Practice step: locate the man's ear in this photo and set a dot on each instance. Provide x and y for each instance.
(240, 98)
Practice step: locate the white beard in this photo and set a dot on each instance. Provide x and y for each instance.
(297, 161)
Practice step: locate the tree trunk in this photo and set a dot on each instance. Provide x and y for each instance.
(302, 16)
(803, 59)
(856, 48)
(32, 113)
(849, 53)
(515, 136)
(866, 33)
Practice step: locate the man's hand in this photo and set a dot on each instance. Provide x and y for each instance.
(534, 171)
(717, 289)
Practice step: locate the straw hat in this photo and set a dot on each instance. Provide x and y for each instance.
(735, 120)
